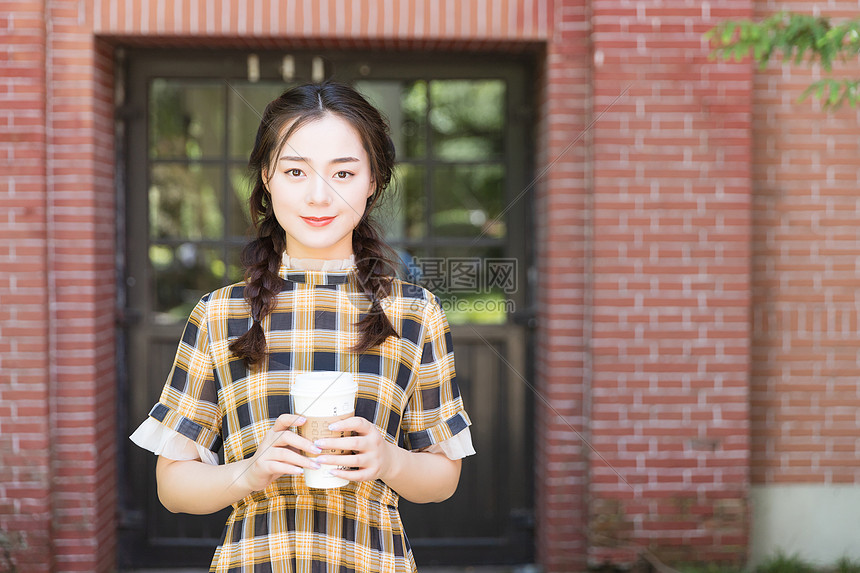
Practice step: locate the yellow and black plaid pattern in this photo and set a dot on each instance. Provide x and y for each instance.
(407, 387)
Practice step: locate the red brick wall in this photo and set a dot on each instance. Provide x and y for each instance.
(81, 246)
(805, 275)
(670, 288)
(561, 218)
(340, 20)
(25, 445)
(57, 289)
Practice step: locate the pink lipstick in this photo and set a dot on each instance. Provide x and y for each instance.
(318, 221)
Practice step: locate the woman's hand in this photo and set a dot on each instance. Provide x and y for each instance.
(420, 477)
(278, 454)
(372, 455)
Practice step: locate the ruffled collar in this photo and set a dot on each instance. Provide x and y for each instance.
(317, 271)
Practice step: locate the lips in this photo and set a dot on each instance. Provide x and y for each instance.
(318, 221)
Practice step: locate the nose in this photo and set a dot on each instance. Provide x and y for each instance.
(319, 192)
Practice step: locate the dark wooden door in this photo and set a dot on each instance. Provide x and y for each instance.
(462, 130)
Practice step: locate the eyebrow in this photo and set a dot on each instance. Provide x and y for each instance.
(305, 160)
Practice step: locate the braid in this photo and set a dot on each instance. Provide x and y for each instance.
(375, 271)
(261, 259)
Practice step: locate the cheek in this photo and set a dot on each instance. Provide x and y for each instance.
(355, 214)
(281, 206)
(359, 206)
(358, 199)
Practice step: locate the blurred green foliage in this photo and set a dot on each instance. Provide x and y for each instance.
(846, 565)
(710, 568)
(794, 38)
(781, 563)
(778, 563)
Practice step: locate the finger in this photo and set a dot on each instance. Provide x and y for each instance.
(288, 456)
(344, 460)
(359, 443)
(293, 440)
(353, 475)
(285, 421)
(355, 423)
(276, 468)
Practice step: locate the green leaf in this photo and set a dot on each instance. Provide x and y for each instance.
(728, 32)
(820, 91)
(835, 94)
(809, 90)
(851, 92)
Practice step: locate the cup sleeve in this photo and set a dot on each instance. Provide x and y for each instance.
(189, 400)
(434, 412)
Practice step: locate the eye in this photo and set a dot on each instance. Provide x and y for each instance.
(294, 172)
(342, 174)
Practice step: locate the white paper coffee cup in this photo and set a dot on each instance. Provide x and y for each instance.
(323, 398)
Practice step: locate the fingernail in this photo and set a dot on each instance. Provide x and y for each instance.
(334, 427)
(316, 450)
(300, 420)
(315, 465)
(319, 444)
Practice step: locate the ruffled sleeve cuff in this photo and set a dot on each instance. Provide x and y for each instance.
(162, 441)
(456, 447)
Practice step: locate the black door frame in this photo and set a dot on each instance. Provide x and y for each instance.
(137, 546)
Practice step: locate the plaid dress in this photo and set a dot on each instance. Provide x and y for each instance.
(407, 388)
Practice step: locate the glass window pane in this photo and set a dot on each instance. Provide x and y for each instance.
(401, 213)
(405, 106)
(235, 270)
(186, 119)
(467, 119)
(181, 275)
(467, 200)
(247, 103)
(238, 214)
(185, 201)
(474, 285)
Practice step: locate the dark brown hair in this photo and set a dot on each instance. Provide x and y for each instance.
(262, 256)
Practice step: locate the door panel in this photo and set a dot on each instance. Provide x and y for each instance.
(488, 518)
(462, 148)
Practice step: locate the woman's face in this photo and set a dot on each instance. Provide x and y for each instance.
(320, 184)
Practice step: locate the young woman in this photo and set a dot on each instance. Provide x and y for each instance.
(319, 294)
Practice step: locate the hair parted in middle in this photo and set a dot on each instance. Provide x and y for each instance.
(262, 256)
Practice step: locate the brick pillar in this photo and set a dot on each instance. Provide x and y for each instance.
(671, 286)
(25, 448)
(82, 236)
(57, 478)
(805, 300)
(560, 220)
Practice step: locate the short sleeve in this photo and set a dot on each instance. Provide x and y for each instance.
(434, 412)
(189, 400)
